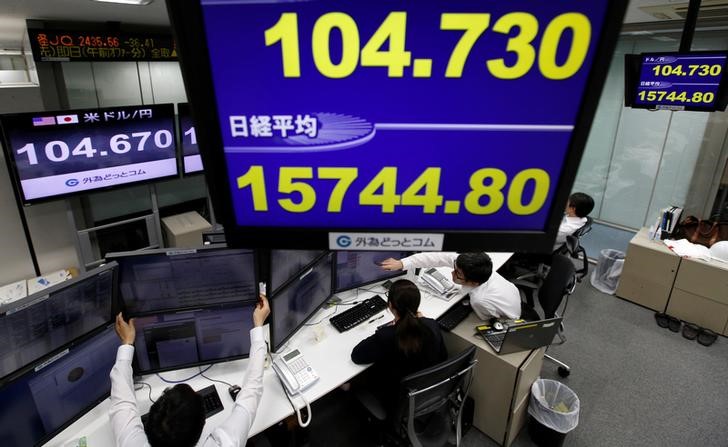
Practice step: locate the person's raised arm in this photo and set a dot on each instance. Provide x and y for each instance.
(234, 431)
(126, 424)
(421, 260)
(391, 264)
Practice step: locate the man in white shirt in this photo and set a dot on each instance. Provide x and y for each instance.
(491, 295)
(177, 417)
(577, 208)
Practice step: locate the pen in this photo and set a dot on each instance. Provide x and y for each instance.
(376, 318)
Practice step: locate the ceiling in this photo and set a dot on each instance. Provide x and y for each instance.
(14, 12)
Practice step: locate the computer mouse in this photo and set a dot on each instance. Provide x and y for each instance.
(465, 302)
(234, 390)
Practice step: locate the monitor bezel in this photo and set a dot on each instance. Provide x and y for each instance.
(15, 174)
(181, 148)
(389, 275)
(275, 344)
(273, 288)
(633, 71)
(189, 32)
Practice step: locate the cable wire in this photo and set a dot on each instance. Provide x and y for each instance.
(214, 380)
(183, 380)
(150, 390)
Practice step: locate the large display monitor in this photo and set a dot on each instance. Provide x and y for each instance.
(294, 303)
(180, 339)
(42, 323)
(153, 281)
(359, 268)
(694, 81)
(61, 153)
(46, 397)
(418, 126)
(286, 264)
(191, 161)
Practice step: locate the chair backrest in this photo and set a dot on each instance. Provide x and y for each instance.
(441, 388)
(559, 283)
(573, 241)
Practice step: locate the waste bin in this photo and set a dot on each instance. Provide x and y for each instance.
(554, 411)
(605, 277)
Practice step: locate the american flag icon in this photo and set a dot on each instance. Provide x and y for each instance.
(44, 121)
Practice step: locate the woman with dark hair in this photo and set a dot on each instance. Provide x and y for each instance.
(412, 343)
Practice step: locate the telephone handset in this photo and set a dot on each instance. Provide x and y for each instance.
(437, 280)
(294, 372)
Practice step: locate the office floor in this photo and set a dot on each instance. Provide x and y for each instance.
(639, 384)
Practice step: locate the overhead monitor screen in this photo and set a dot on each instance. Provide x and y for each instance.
(158, 280)
(287, 264)
(45, 399)
(190, 151)
(299, 299)
(45, 321)
(462, 122)
(359, 268)
(675, 81)
(55, 154)
(175, 340)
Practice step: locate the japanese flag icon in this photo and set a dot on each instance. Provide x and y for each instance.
(67, 119)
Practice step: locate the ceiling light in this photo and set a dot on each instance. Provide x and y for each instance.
(126, 2)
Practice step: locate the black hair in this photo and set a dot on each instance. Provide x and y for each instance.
(176, 419)
(411, 333)
(583, 203)
(476, 266)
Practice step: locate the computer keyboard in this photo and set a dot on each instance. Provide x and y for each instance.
(359, 313)
(495, 339)
(455, 315)
(210, 400)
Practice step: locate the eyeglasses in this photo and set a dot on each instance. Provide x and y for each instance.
(458, 274)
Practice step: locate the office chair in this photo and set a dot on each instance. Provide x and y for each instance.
(556, 287)
(430, 403)
(573, 248)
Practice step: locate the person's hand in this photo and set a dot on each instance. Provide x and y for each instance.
(261, 312)
(125, 331)
(391, 264)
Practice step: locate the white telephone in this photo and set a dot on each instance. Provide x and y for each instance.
(437, 280)
(294, 372)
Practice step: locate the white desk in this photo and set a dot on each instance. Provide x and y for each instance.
(330, 356)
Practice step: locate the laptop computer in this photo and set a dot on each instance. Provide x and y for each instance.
(521, 336)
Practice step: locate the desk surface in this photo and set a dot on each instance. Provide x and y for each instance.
(319, 344)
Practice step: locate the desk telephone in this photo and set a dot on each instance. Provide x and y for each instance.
(294, 371)
(437, 280)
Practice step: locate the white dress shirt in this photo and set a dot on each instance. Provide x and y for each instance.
(568, 226)
(496, 297)
(126, 423)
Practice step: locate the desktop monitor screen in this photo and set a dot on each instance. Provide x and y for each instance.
(157, 280)
(300, 298)
(57, 390)
(285, 264)
(56, 154)
(36, 326)
(359, 268)
(175, 340)
(190, 151)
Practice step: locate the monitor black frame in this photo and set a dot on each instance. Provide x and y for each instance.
(268, 262)
(633, 71)
(30, 368)
(15, 175)
(30, 300)
(189, 32)
(116, 256)
(275, 344)
(387, 275)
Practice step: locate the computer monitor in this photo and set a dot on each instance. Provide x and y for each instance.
(175, 340)
(154, 281)
(50, 394)
(45, 321)
(298, 299)
(286, 264)
(359, 268)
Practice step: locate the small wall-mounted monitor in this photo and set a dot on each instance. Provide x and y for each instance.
(191, 160)
(44, 322)
(53, 392)
(359, 268)
(154, 281)
(294, 303)
(693, 81)
(61, 153)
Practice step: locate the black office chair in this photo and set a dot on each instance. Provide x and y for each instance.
(555, 289)
(573, 248)
(430, 403)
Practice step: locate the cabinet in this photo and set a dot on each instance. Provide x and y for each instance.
(649, 272)
(501, 383)
(700, 294)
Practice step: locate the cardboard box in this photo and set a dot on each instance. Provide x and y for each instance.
(185, 230)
